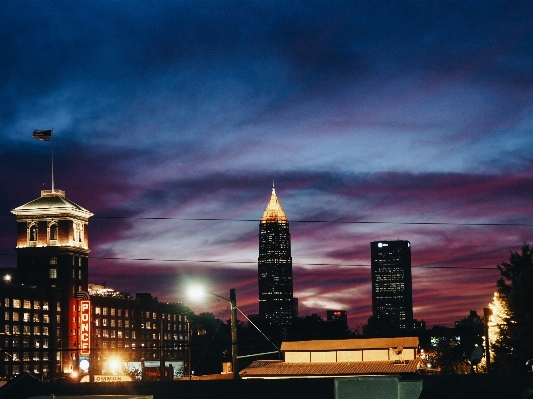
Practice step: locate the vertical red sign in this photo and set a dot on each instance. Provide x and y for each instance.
(85, 328)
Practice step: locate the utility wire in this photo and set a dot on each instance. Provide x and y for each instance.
(255, 262)
(317, 221)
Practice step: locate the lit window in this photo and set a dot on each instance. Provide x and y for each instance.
(16, 303)
(6, 302)
(97, 310)
(52, 273)
(27, 304)
(16, 316)
(53, 260)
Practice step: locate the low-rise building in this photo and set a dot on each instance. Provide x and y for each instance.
(340, 358)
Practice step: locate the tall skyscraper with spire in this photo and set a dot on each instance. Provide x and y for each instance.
(275, 265)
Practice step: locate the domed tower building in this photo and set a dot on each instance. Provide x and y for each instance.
(275, 265)
(52, 253)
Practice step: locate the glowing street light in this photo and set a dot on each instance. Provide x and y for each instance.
(197, 292)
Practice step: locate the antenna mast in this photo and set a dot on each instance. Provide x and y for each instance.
(52, 140)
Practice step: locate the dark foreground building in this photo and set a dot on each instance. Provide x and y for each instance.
(275, 265)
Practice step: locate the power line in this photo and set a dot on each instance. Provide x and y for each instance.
(363, 265)
(319, 221)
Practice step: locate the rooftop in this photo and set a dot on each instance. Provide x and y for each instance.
(348, 344)
(273, 211)
(271, 368)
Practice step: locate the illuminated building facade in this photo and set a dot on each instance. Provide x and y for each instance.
(52, 252)
(53, 321)
(136, 329)
(392, 292)
(275, 265)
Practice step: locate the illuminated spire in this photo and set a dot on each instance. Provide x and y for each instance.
(273, 211)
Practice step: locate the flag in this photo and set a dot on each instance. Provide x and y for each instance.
(44, 135)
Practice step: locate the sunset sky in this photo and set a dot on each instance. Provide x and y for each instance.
(377, 120)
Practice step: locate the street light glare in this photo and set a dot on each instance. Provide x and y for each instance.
(196, 292)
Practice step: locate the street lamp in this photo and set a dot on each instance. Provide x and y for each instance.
(234, 346)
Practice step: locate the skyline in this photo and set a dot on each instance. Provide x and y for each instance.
(172, 119)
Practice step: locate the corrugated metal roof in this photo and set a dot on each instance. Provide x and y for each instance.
(271, 368)
(347, 344)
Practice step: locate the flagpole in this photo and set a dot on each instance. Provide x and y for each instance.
(46, 135)
(52, 139)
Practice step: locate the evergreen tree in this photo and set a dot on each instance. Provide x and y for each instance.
(514, 347)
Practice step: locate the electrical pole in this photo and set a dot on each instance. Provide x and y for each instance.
(234, 347)
(487, 313)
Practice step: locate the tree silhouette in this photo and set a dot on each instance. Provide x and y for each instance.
(514, 347)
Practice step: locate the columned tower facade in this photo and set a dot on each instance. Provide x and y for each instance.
(52, 252)
(275, 265)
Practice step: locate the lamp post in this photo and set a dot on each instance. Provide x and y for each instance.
(234, 346)
(234, 342)
(487, 312)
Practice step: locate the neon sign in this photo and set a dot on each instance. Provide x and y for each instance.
(85, 328)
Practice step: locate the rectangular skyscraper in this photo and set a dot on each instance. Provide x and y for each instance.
(392, 291)
(275, 265)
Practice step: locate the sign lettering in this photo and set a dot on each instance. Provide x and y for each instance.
(85, 328)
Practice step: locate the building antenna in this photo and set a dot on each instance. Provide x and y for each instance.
(52, 140)
(273, 189)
